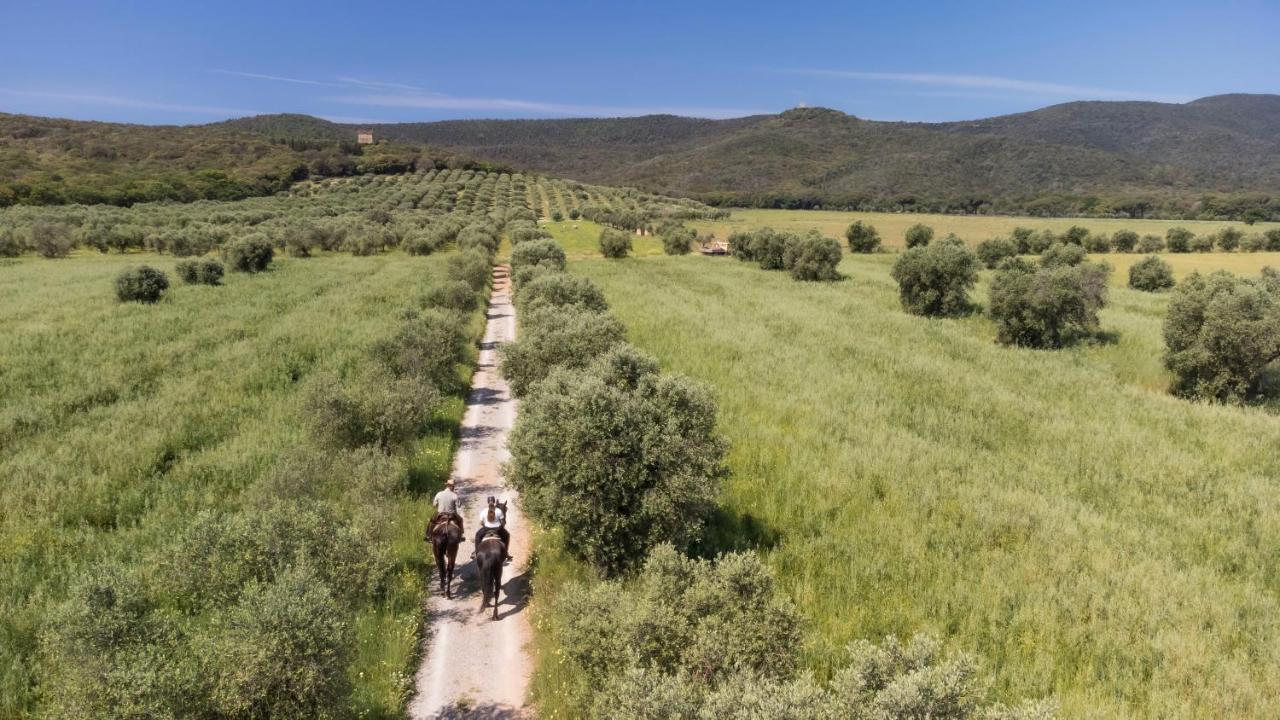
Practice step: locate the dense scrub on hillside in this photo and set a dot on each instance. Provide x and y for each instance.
(1215, 158)
(52, 162)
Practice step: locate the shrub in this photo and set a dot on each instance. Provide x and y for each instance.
(862, 237)
(1150, 244)
(526, 232)
(622, 461)
(1273, 240)
(1229, 239)
(1097, 243)
(367, 239)
(560, 289)
(1151, 274)
(471, 267)
(992, 251)
(614, 243)
(769, 248)
(697, 639)
(1202, 243)
(250, 254)
(526, 275)
(677, 239)
(428, 349)
(918, 235)
(934, 280)
(813, 257)
(283, 651)
(1221, 332)
(1254, 242)
(453, 295)
(377, 409)
(479, 236)
(546, 253)
(1042, 241)
(1178, 239)
(50, 240)
(10, 245)
(142, 284)
(424, 241)
(556, 216)
(299, 239)
(557, 336)
(574, 213)
(1046, 306)
(1124, 241)
(1074, 235)
(1021, 237)
(1063, 255)
(741, 246)
(205, 271)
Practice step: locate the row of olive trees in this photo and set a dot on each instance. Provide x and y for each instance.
(811, 256)
(252, 611)
(619, 455)
(863, 237)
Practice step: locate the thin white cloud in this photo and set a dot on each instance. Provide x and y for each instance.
(275, 78)
(989, 82)
(90, 99)
(436, 101)
(377, 85)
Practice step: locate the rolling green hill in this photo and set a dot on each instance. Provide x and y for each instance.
(1214, 157)
(46, 161)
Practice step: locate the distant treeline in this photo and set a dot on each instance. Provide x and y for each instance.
(1249, 208)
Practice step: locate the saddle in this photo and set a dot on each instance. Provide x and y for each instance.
(447, 517)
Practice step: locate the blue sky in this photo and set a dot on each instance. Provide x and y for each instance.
(179, 62)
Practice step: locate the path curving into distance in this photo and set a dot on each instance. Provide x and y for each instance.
(473, 666)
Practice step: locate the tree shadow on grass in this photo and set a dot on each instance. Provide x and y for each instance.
(732, 531)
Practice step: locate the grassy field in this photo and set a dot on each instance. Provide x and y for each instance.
(972, 228)
(120, 422)
(1056, 513)
(581, 238)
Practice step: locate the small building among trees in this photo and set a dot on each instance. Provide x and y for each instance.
(364, 137)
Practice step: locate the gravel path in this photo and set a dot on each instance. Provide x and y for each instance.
(473, 666)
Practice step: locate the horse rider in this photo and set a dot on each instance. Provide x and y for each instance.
(446, 502)
(493, 520)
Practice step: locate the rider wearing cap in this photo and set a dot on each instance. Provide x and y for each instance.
(446, 504)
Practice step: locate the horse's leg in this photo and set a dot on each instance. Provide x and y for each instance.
(497, 587)
(451, 555)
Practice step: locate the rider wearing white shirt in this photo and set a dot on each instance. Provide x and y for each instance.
(493, 519)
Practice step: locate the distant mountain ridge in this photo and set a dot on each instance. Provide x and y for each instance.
(1216, 156)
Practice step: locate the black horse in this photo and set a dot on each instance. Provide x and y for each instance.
(489, 558)
(445, 536)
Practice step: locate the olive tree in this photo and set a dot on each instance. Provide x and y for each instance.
(1229, 239)
(862, 237)
(544, 253)
(1124, 241)
(615, 243)
(1220, 333)
(1063, 255)
(992, 252)
(558, 289)
(813, 257)
(142, 284)
(557, 336)
(935, 280)
(1151, 274)
(620, 456)
(1178, 239)
(1046, 306)
(918, 235)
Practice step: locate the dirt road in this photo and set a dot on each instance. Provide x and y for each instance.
(473, 666)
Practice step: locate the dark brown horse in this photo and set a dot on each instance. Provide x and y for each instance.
(489, 557)
(445, 536)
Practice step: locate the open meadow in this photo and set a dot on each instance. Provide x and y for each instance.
(970, 228)
(1058, 514)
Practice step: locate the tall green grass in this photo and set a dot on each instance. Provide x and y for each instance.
(120, 422)
(1056, 513)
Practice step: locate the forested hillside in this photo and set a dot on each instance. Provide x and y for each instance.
(46, 161)
(1217, 157)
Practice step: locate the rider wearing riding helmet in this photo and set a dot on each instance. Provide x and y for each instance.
(492, 519)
